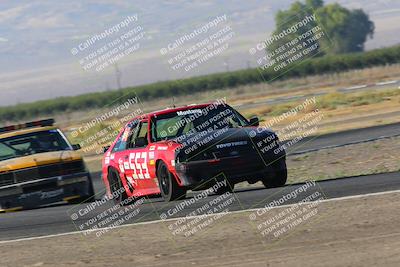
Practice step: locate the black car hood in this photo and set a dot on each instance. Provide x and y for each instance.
(221, 142)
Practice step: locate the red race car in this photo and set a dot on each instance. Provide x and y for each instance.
(193, 147)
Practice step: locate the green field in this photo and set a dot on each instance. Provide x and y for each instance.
(314, 66)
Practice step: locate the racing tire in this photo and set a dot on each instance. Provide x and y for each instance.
(170, 190)
(119, 194)
(277, 180)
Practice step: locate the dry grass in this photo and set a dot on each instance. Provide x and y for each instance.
(367, 158)
(256, 92)
(341, 111)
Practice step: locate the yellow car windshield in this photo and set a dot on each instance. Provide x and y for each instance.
(32, 143)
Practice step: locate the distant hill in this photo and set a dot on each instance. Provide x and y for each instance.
(35, 58)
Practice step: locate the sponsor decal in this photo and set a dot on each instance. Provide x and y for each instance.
(43, 195)
(51, 194)
(232, 144)
(162, 148)
(188, 112)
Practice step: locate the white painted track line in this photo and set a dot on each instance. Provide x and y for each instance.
(175, 219)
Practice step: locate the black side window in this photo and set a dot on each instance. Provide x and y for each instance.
(126, 137)
(139, 139)
(117, 146)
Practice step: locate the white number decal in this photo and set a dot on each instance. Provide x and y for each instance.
(132, 165)
(140, 170)
(145, 170)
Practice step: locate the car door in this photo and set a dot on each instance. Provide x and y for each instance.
(136, 161)
(119, 149)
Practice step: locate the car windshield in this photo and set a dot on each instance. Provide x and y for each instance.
(32, 143)
(172, 125)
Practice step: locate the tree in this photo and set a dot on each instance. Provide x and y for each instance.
(315, 3)
(345, 30)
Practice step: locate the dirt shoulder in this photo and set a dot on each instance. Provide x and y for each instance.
(352, 232)
(373, 157)
(379, 156)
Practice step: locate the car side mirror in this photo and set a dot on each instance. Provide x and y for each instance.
(105, 148)
(76, 146)
(140, 142)
(254, 121)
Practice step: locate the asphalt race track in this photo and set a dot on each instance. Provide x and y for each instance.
(312, 143)
(57, 218)
(358, 88)
(346, 137)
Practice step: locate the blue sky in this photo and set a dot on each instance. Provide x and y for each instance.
(36, 38)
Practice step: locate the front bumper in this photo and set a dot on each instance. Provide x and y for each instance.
(235, 169)
(45, 191)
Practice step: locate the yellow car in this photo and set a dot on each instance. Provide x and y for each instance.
(39, 166)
